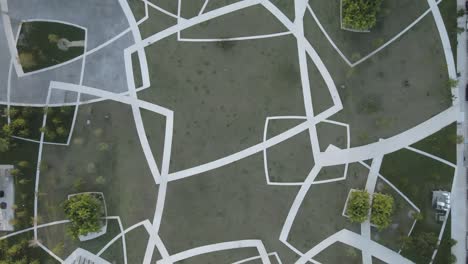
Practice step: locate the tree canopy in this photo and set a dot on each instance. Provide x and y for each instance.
(358, 206)
(422, 244)
(360, 14)
(382, 210)
(16, 253)
(84, 212)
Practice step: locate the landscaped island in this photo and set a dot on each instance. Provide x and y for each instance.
(42, 44)
(359, 15)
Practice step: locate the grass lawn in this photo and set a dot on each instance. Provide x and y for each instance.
(441, 144)
(250, 21)
(320, 215)
(331, 134)
(340, 253)
(114, 254)
(136, 244)
(104, 156)
(59, 122)
(24, 183)
(34, 253)
(138, 8)
(394, 16)
(417, 176)
(396, 89)
(448, 10)
(229, 203)
(290, 160)
(56, 239)
(402, 219)
(232, 98)
(37, 44)
(156, 22)
(445, 249)
(33, 116)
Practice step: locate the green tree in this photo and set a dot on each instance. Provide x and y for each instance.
(382, 210)
(18, 123)
(100, 180)
(56, 120)
(417, 216)
(61, 131)
(4, 144)
(360, 14)
(65, 109)
(12, 112)
(103, 146)
(452, 83)
(16, 253)
(7, 131)
(23, 164)
(15, 172)
(420, 246)
(358, 206)
(84, 212)
(26, 112)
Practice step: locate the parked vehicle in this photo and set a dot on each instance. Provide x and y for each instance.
(466, 93)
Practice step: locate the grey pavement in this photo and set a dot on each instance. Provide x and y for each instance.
(102, 18)
(32, 89)
(459, 190)
(105, 69)
(4, 63)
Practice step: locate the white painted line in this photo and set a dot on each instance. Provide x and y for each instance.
(241, 154)
(38, 168)
(280, 34)
(160, 9)
(432, 156)
(52, 254)
(370, 188)
(32, 228)
(359, 242)
(203, 7)
(121, 234)
(265, 158)
(394, 188)
(391, 144)
(327, 36)
(219, 247)
(9, 92)
(297, 203)
(9, 36)
(258, 257)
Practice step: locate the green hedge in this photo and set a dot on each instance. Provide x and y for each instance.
(360, 14)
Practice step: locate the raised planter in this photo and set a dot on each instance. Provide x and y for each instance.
(93, 235)
(349, 29)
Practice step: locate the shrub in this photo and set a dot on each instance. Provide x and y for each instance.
(382, 210)
(360, 14)
(23, 164)
(100, 180)
(27, 60)
(358, 206)
(84, 212)
(4, 144)
(103, 146)
(422, 244)
(452, 83)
